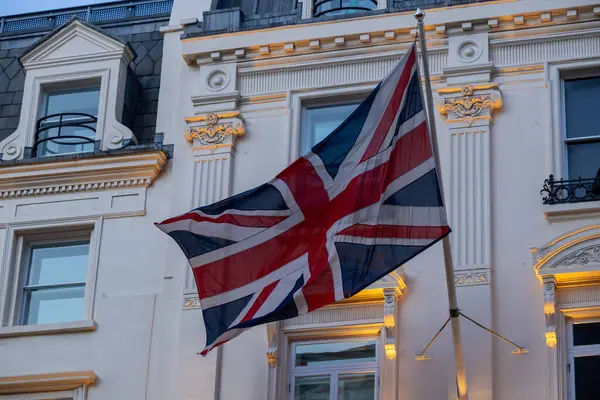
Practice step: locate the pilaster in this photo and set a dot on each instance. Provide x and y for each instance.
(468, 103)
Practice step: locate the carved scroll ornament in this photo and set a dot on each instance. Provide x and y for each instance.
(215, 129)
(469, 104)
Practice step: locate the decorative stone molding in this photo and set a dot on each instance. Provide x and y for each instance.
(214, 130)
(469, 102)
(46, 382)
(389, 308)
(472, 277)
(191, 302)
(550, 312)
(88, 174)
(571, 258)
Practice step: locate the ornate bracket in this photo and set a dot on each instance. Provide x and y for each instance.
(550, 311)
(468, 103)
(273, 333)
(389, 322)
(214, 130)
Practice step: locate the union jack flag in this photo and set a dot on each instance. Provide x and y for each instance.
(361, 203)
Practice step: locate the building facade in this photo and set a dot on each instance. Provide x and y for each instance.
(247, 86)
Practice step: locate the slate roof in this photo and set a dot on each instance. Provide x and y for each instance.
(143, 81)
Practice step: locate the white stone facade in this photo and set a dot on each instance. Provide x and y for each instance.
(231, 104)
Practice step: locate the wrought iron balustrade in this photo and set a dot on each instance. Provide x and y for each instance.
(97, 14)
(333, 7)
(571, 191)
(76, 131)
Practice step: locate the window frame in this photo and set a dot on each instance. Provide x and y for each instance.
(355, 367)
(318, 97)
(15, 262)
(308, 5)
(556, 73)
(567, 75)
(577, 351)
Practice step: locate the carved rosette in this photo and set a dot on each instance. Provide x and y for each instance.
(214, 130)
(468, 102)
(471, 277)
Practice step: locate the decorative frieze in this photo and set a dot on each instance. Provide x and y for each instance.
(472, 277)
(191, 302)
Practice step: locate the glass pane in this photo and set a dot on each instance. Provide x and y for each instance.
(73, 101)
(581, 100)
(322, 121)
(58, 264)
(585, 334)
(584, 160)
(587, 384)
(312, 388)
(356, 387)
(324, 354)
(54, 305)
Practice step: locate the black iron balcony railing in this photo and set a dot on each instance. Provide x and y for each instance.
(571, 191)
(65, 133)
(333, 7)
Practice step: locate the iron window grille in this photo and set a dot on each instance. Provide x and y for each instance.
(335, 7)
(51, 129)
(571, 191)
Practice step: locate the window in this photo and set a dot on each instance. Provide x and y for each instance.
(67, 122)
(584, 360)
(582, 127)
(340, 370)
(319, 121)
(55, 284)
(337, 7)
(50, 279)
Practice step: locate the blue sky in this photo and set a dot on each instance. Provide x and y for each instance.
(12, 7)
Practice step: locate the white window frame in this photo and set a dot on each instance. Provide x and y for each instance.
(355, 367)
(298, 101)
(557, 73)
(14, 267)
(75, 394)
(577, 351)
(42, 85)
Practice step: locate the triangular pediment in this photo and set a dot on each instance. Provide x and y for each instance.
(76, 40)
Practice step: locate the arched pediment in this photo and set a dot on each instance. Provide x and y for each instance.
(570, 258)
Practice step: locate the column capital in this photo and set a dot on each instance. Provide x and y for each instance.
(469, 103)
(211, 131)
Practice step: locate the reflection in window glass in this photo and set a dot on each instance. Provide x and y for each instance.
(55, 286)
(68, 122)
(356, 387)
(312, 388)
(319, 122)
(321, 354)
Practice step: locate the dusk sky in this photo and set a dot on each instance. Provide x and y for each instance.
(12, 7)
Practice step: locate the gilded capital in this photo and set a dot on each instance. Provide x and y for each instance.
(214, 130)
(469, 102)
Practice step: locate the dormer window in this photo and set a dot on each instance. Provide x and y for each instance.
(340, 7)
(67, 122)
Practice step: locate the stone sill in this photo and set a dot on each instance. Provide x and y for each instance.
(47, 329)
(571, 212)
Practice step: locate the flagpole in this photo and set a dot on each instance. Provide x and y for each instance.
(461, 379)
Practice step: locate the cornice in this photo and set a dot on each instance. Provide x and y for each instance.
(357, 33)
(46, 382)
(77, 175)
